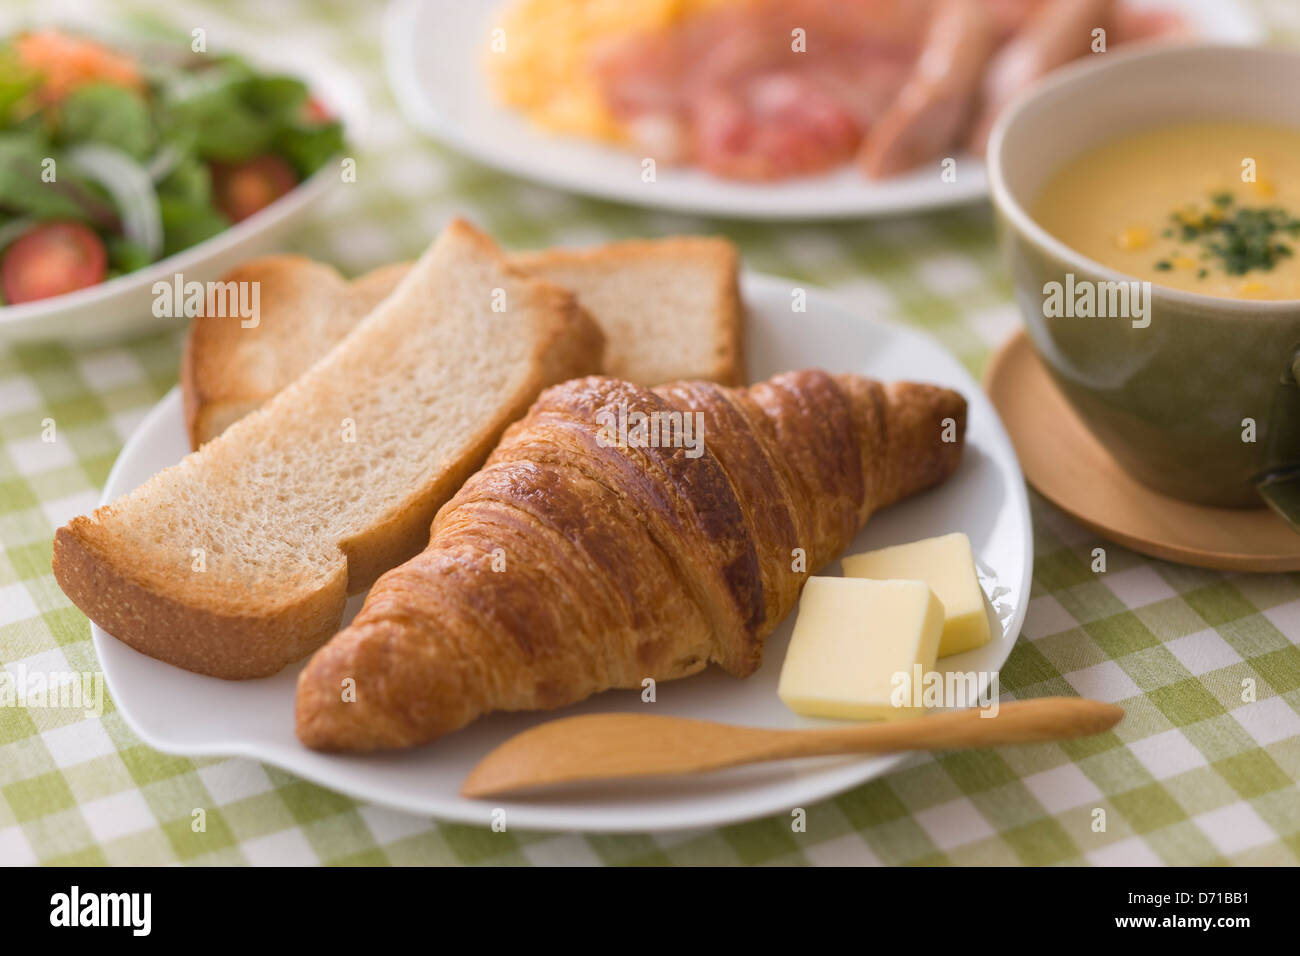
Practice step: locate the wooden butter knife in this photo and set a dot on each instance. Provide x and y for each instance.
(613, 746)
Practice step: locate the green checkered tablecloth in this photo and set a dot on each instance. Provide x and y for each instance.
(1192, 775)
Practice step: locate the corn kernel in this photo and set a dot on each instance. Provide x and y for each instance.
(1254, 290)
(1134, 237)
(1182, 262)
(1264, 188)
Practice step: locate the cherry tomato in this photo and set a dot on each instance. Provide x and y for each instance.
(314, 111)
(241, 189)
(53, 258)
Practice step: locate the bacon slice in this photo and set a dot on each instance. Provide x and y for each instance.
(732, 91)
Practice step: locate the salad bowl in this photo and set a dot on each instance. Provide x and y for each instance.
(122, 301)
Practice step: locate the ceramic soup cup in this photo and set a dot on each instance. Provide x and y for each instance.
(1198, 397)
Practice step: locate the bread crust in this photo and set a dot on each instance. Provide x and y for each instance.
(173, 624)
(239, 629)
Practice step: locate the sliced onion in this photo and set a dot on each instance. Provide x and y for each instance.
(131, 188)
(162, 163)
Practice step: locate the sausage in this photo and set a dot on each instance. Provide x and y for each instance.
(933, 107)
(1058, 32)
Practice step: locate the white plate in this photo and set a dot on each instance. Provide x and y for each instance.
(124, 305)
(434, 52)
(179, 712)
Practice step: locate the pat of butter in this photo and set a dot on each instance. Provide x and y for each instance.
(948, 566)
(851, 637)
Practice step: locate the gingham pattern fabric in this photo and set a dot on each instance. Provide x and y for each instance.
(1194, 775)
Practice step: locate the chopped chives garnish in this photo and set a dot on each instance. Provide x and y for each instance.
(1241, 238)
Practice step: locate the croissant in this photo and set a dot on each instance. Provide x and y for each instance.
(597, 547)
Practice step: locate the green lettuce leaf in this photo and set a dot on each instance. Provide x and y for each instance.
(104, 113)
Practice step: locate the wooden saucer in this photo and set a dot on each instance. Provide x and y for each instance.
(1067, 465)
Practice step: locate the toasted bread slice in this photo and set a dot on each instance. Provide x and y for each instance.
(238, 560)
(305, 309)
(670, 310)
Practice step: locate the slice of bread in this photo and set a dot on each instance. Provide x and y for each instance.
(670, 309)
(238, 560)
(305, 309)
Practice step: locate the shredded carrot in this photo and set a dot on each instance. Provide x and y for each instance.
(64, 63)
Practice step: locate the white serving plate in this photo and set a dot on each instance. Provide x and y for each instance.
(124, 305)
(179, 712)
(434, 52)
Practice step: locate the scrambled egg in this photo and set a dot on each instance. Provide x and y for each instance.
(539, 55)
